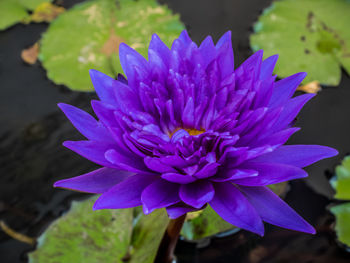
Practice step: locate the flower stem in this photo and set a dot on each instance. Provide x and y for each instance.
(167, 246)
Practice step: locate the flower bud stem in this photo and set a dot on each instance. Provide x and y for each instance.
(167, 246)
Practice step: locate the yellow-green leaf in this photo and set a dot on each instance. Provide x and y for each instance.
(309, 35)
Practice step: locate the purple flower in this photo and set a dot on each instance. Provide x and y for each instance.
(186, 129)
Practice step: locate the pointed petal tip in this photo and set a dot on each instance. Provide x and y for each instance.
(61, 105)
(58, 183)
(94, 73)
(96, 206)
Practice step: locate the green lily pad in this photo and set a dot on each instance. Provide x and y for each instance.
(15, 11)
(309, 35)
(341, 182)
(342, 227)
(206, 224)
(108, 236)
(88, 36)
(147, 235)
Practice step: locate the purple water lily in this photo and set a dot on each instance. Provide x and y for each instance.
(185, 129)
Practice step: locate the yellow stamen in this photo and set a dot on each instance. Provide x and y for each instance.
(192, 132)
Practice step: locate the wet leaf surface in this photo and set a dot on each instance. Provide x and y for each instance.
(309, 35)
(83, 235)
(88, 36)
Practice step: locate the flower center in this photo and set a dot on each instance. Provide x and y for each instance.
(192, 132)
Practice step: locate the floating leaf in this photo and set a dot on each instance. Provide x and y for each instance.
(88, 35)
(30, 55)
(309, 35)
(83, 235)
(147, 235)
(341, 183)
(342, 227)
(15, 11)
(108, 236)
(206, 224)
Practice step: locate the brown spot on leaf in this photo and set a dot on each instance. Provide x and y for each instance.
(303, 38)
(30, 55)
(306, 51)
(111, 46)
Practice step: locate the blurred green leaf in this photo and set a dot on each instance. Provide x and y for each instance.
(88, 36)
(309, 35)
(206, 224)
(15, 11)
(108, 236)
(342, 227)
(341, 182)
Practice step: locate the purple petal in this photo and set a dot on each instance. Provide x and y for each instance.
(185, 38)
(188, 113)
(197, 194)
(233, 207)
(98, 181)
(285, 88)
(291, 110)
(160, 48)
(104, 86)
(231, 174)
(105, 112)
(130, 59)
(274, 211)
(253, 62)
(267, 67)
(270, 173)
(156, 165)
(125, 194)
(207, 48)
(126, 98)
(277, 138)
(160, 194)
(178, 178)
(297, 155)
(207, 171)
(85, 123)
(225, 59)
(177, 210)
(225, 38)
(126, 161)
(91, 150)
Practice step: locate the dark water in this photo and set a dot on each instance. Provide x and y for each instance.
(32, 158)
